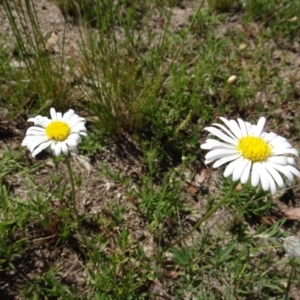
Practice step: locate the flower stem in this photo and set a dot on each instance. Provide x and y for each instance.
(286, 296)
(67, 160)
(208, 215)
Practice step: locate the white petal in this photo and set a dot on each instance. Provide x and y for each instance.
(278, 151)
(40, 148)
(272, 185)
(232, 166)
(273, 172)
(242, 127)
(230, 134)
(219, 153)
(34, 143)
(33, 139)
(268, 137)
(34, 119)
(206, 146)
(284, 170)
(74, 148)
(274, 139)
(294, 170)
(221, 135)
(73, 139)
(68, 115)
(32, 146)
(40, 121)
(75, 120)
(254, 175)
(78, 127)
(237, 172)
(59, 116)
(291, 161)
(57, 149)
(250, 128)
(35, 130)
(53, 114)
(224, 160)
(64, 148)
(44, 123)
(260, 126)
(214, 144)
(234, 127)
(262, 135)
(246, 172)
(285, 146)
(36, 137)
(264, 179)
(83, 133)
(282, 145)
(279, 160)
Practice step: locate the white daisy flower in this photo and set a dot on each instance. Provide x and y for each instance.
(291, 245)
(249, 149)
(61, 133)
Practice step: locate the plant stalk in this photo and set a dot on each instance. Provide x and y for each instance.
(67, 160)
(208, 215)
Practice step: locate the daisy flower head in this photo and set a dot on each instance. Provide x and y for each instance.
(291, 245)
(251, 153)
(61, 133)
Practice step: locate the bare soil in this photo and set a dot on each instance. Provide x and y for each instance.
(98, 192)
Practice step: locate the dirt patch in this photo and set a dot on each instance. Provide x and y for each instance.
(100, 189)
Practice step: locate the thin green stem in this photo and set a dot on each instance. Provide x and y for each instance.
(163, 79)
(208, 215)
(67, 160)
(183, 41)
(286, 296)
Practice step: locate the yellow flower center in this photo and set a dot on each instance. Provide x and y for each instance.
(58, 130)
(254, 148)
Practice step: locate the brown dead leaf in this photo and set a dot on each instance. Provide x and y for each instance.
(173, 274)
(268, 220)
(197, 181)
(192, 189)
(199, 178)
(292, 213)
(132, 200)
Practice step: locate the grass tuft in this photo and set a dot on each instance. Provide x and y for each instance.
(148, 76)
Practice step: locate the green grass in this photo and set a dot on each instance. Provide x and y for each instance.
(147, 88)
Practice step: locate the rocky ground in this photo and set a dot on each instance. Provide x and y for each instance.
(99, 191)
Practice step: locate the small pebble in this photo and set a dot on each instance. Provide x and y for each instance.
(242, 46)
(232, 79)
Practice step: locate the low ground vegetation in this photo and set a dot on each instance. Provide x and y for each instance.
(148, 76)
